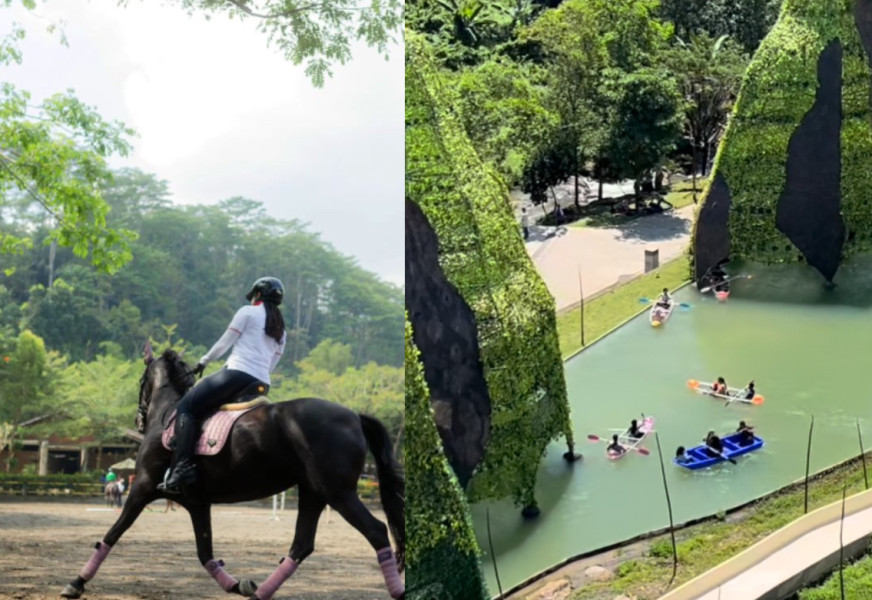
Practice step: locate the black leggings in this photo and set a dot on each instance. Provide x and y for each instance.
(218, 388)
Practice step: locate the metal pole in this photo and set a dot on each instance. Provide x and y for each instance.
(581, 305)
(669, 507)
(842, 544)
(490, 544)
(808, 462)
(862, 455)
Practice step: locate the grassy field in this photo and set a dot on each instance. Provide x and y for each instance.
(708, 544)
(681, 194)
(858, 583)
(603, 314)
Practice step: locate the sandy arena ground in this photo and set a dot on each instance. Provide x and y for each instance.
(43, 545)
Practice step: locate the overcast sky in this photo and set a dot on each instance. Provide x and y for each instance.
(220, 114)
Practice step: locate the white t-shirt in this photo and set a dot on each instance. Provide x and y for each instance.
(254, 352)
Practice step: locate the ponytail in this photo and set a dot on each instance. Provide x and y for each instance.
(275, 323)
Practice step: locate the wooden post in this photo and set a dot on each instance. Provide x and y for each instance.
(43, 457)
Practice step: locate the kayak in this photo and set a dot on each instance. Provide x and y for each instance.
(733, 394)
(630, 442)
(699, 457)
(659, 314)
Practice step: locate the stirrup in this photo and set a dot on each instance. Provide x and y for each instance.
(178, 478)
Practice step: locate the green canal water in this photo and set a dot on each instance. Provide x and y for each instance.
(810, 352)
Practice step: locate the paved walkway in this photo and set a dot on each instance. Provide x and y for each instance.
(605, 256)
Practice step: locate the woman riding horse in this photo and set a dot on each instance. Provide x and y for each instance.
(317, 445)
(257, 336)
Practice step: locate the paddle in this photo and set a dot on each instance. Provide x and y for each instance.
(649, 301)
(596, 438)
(709, 287)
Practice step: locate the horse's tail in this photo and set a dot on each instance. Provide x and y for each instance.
(391, 482)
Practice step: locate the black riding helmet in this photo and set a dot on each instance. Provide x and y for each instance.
(270, 289)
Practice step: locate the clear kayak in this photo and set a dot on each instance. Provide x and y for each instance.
(629, 443)
(732, 395)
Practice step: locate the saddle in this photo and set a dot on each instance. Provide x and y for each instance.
(216, 429)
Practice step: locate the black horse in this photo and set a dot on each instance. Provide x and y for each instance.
(314, 444)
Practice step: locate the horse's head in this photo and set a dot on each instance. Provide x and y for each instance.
(166, 374)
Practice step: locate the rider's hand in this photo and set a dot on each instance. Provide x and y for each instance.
(198, 370)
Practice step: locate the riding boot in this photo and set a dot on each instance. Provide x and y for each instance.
(183, 471)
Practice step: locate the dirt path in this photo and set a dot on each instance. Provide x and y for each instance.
(605, 255)
(43, 545)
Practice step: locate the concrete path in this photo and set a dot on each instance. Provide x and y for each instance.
(606, 256)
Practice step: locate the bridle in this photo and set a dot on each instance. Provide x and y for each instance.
(146, 391)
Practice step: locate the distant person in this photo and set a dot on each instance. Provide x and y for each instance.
(746, 433)
(714, 445)
(634, 431)
(615, 447)
(720, 386)
(111, 476)
(665, 299)
(525, 223)
(681, 455)
(750, 392)
(558, 213)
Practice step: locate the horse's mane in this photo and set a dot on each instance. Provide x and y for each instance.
(179, 374)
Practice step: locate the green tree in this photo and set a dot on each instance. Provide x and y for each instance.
(99, 398)
(647, 117)
(53, 157)
(576, 57)
(504, 115)
(709, 72)
(330, 356)
(26, 384)
(746, 21)
(317, 33)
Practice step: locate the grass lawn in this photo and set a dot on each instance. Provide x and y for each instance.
(708, 544)
(603, 314)
(681, 194)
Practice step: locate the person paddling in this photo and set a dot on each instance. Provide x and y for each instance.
(750, 392)
(746, 433)
(615, 447)
(715, 446)
(720, 386)
(681, 455)
(665, 300)
(634, 430)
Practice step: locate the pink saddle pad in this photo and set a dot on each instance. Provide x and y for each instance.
(216, 430)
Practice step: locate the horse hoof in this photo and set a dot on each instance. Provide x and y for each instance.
(72, 591)
(247, 588)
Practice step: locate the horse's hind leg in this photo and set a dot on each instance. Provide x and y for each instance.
(202, 521)
(309, 510)
(136, 502)
(376, 533)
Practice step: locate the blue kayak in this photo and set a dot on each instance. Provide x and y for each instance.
(699, 457)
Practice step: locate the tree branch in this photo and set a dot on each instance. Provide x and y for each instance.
(241, 5)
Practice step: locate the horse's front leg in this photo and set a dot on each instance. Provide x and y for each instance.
(202, 521)
(140, 495)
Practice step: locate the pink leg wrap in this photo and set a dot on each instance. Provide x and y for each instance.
(388, 564)
(220, 575)
(287, 566)
(101, 551)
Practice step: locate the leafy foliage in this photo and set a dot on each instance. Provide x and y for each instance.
(441, 538)
(53, 156)
(746, 21)
(193, 266)
(317, 33)
(504, 115)
(771, 104)
(482, 255)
